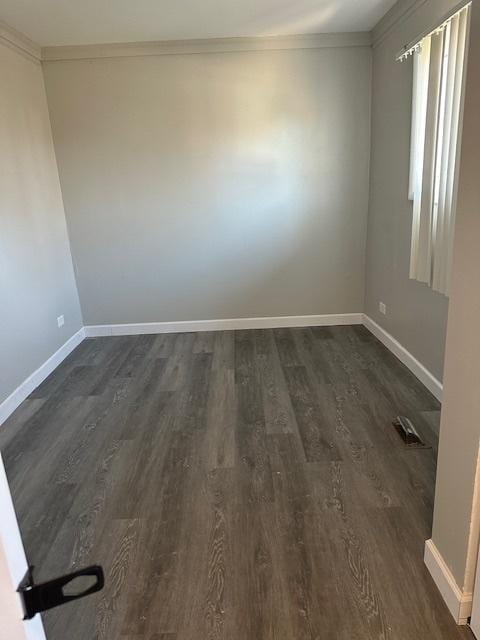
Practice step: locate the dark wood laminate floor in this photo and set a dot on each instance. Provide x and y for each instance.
(235, 485)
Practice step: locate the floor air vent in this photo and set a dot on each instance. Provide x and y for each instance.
(408, 433)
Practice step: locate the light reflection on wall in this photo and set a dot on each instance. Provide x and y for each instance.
(257, 200)
(215, 185)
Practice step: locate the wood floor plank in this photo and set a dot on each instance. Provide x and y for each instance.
(235, 485)
(204, 342)
(302, 548)
(277, 405)
(316, 433)
(178, 363)
(219, 440)
(250, 433)
(224, 351)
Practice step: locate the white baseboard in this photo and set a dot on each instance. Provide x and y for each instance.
(222, 325)
(8, 406)
(458, 602)
(417, 368)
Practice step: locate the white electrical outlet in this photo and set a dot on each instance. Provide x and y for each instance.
(382, 307)
(60, 321)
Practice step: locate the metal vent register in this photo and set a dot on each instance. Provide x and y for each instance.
(408, 433)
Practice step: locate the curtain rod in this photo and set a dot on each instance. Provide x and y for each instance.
(414, 43)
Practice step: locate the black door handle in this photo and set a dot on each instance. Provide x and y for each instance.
(44, 596)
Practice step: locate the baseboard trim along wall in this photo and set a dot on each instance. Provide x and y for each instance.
(223, 325)
(458, 602)
(8, 406)
(417, 368)
(21, 393)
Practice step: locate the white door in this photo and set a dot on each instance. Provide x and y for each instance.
(13, 567)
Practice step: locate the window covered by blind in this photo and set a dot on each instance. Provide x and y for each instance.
(439, 71)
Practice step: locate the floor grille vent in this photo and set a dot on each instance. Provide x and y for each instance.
(408, 433)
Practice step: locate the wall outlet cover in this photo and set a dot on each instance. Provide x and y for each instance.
(382, 307)
(60, 321)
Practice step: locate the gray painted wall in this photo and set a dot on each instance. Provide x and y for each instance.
(215, 185)
(456, 524)
(416, 315)
(36, 275)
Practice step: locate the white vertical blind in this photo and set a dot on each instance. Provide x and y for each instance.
(439, 65)
(423, 195)
(447, 169)
(421, 68)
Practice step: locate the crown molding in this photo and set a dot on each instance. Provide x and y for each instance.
(213, 45)
(400, 12)
(15, 40)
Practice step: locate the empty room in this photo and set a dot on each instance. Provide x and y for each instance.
(239, 296)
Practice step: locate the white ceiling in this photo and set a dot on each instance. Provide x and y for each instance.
(59, 22)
